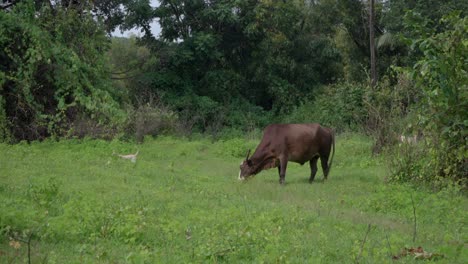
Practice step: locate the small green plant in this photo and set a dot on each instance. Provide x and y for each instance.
(44, 195)
(406, 162)
(235, 147)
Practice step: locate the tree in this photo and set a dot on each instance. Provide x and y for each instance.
(213, 54)
(372, 44)
(392, 50)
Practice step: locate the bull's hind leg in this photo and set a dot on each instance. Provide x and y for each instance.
(324, 161)
(313, 168)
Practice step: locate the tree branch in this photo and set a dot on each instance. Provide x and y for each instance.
(414, 218)
(4, 6)
(363, 242)
(177, 14)
(126, 77)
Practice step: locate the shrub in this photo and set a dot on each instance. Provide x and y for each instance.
(339, 106)
(390, 109)
(4, 127)
(432, 101)
(201, 114)
(244, 117)
(441, 75)
(196, 113)
(235, 147)
(406, 161)
(151, 118)
(53, 68)
(85, 126)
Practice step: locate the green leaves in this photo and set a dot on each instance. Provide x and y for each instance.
(52, 70)
(256, 52)
(441, 74)
(340, 106)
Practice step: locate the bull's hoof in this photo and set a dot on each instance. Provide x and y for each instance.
(281, 182)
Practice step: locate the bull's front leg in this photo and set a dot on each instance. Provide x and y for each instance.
(282, 169)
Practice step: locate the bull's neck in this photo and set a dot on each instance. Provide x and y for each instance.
(258, 157)
(262, 160)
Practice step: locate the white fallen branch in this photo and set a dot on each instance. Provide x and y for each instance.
(132, 157)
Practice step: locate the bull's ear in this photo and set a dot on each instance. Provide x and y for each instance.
(249, 162)
(247, 157)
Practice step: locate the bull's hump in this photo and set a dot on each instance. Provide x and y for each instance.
(277, 131)
(291, 126)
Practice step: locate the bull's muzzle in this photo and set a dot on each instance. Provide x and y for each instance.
(241, 178)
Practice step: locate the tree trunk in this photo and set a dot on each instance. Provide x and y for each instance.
(372, 44)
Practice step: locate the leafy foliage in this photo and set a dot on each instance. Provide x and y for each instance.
(53, 70)
(441, 74)
(340, 106)
(391, 109)
(431, 10)
(151, 119)
(394, 51)
(229, 56)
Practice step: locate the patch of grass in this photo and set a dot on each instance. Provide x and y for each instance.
(181, 202)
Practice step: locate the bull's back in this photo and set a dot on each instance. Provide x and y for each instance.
(298, 142)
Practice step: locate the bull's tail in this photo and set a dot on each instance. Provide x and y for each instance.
(333, 154)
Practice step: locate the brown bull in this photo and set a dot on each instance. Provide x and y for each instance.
(291, 142)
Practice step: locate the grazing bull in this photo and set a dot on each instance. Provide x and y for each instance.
(291, 142)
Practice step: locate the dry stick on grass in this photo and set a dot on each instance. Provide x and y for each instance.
(363, 242)
(28, 242)
(131, 157)
(414, 218)
(29, 247)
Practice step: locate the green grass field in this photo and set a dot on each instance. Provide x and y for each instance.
(181, 202)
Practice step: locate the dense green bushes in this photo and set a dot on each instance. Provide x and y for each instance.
(441, 76)
(239, 65)
(391, 108)
(423, 107)
(52, 71)
(340, 106)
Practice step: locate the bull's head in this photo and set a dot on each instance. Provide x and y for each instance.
(246, 168)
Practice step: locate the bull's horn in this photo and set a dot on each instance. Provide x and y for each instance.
(248, 153)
